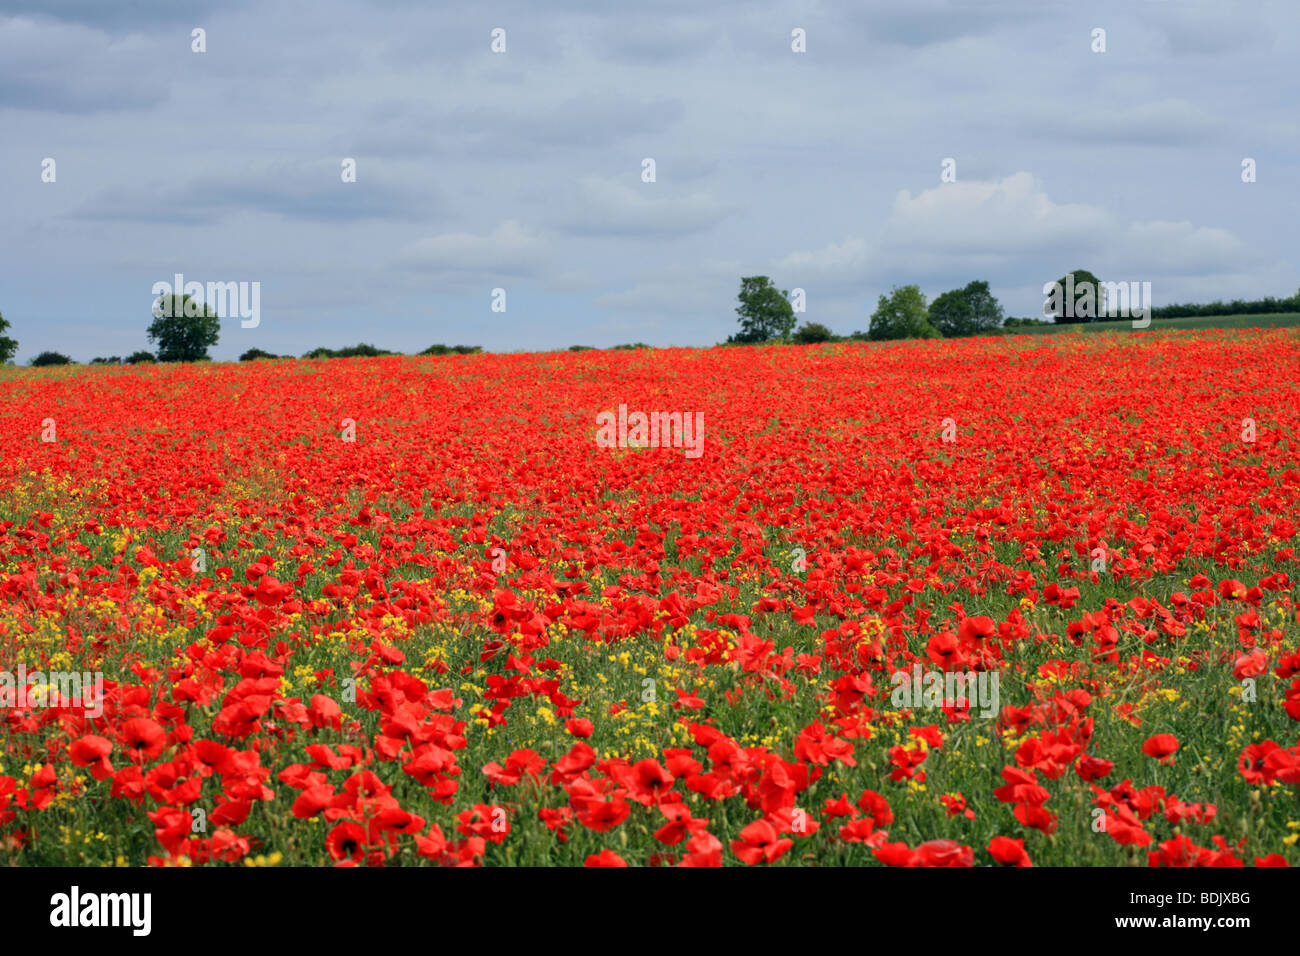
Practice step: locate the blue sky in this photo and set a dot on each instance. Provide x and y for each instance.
(522, 170)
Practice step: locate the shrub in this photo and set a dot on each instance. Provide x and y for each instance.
(51, 358)
(254, 354)
(810, 333)
(440, 349)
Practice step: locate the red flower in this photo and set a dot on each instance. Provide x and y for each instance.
(944, 853)
(92, 751)
(143, 739)
(347, 842)
(1161, 746)
(1093, 768)
(1009, 852)
(760, 843)
(580, 727)
(605, 858)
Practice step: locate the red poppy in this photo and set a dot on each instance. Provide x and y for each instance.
(1161, 746)
(760, 843)
(1009, 852)
(92, 751)
(346, 843)
(142, 739)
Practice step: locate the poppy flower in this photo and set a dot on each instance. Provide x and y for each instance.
(760, 843)
(142, 739)
(580, 727)
(1009, 852)
(1161, 746)
(943, 853)
(92, 751)
(347, 842)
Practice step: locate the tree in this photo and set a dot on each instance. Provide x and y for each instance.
(902, 315)
(984, 305)
(106, 360)
(360, 350)
(969, 311)
(440, 349)
(137, 358)
(1077, 297)
(810, 333)
(765, 312)
(952, 315)
(8, 346)
(253, 354)
(51, 358)
(183, 328)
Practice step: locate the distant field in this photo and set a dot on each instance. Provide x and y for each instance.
(1268, 320)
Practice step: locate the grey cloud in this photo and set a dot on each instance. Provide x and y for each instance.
(311, 191)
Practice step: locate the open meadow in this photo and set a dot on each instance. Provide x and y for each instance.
(414, 611)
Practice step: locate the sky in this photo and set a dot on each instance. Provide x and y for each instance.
(523, 170)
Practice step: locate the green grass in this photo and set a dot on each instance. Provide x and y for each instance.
(1268, 320)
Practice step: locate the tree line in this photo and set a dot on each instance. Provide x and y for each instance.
(766, 313)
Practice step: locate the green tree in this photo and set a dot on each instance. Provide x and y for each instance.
(765, 312)
(952, 315)
(183, 328)
(8, 346)
(137, 358)
(972, 310)
(51, 358)
(811, 333)
(1085, 304)
(902, 315)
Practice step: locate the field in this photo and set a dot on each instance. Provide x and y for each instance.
(406, 611)
(1269, 320)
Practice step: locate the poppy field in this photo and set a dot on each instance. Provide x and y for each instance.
(413, 611)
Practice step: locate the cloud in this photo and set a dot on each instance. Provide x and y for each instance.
(1169, 122)
(509, 250)
(1011, 227)
(130, 15)
(295, 190)
(1012, 215)
(836, 260)
(609, 207)
(62, 68)
(1200, 28)
(920, 23)
(1180, 248)
(518, 128)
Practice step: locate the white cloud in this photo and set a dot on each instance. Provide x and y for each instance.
(509, 250)
(1167, 122)
(609, 207)
(1011, 227)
